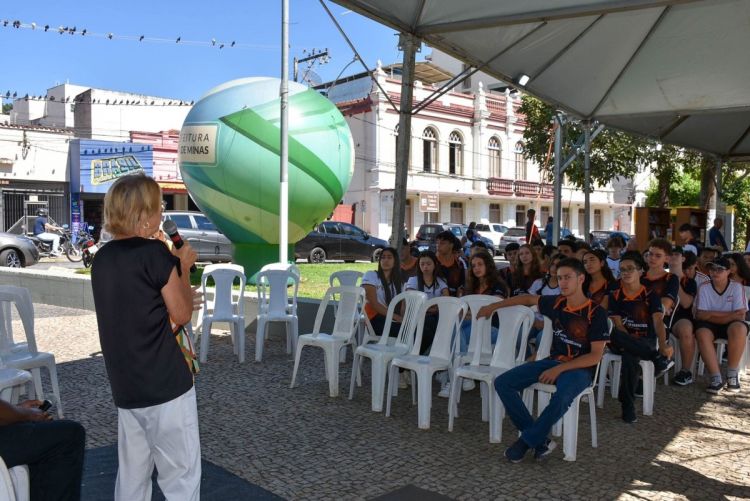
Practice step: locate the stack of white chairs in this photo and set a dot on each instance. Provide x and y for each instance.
(516, 323)
(350, 302)
(25, 356)
(451, 311)
(568, 424)
(227, 306)
(275, 304)
(388, 348)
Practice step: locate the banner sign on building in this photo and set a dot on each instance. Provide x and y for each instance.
(95, 165)
(429, 202)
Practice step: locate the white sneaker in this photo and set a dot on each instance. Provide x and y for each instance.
(468, 385)
(445, 390)
(403, 380)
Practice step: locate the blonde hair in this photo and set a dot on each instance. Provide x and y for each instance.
(130, 200)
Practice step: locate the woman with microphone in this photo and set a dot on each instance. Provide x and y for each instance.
(139, 285)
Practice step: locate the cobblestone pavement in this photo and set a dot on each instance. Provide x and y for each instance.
(301, 444)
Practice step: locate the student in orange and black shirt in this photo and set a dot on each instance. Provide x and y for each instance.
(666, 285)
(599, 278)
(638, 316)
(580, 332)
(452, 265)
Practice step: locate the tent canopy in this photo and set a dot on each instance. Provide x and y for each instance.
(675, 70)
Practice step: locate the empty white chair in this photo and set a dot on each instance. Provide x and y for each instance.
(345, 278)
(451, 311)
(351, 300)
(387, 348)
(225, 307)
(208, 304)
(276, 305)
(516, 322)
(25, 356)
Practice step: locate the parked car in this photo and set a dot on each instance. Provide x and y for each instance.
(334, 240)
(196, 229)
(493, 231)
(516, 234)
(564, 233)
(600, 238)
(17, 251)
(428, 231)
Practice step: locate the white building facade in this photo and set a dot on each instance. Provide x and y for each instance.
(465, 159)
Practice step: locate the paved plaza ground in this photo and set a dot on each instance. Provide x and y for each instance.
(300, 444)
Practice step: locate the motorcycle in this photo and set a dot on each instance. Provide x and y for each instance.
(45, 246)
(74, 249)
(88, 249)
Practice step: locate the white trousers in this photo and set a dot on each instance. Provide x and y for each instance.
(51, 237)
(164, 435)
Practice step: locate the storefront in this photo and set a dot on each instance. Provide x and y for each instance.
(25, 198)
(94, 166)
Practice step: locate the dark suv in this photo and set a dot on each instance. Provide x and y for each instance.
(427, 232)
(210, 244)
(334, 240)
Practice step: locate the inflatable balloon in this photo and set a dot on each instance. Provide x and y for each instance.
(229, 160)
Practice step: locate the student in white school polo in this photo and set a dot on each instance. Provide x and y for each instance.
(720, 309)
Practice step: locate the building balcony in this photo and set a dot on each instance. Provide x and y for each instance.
(526, 188)
(547, 190)
(499, 186)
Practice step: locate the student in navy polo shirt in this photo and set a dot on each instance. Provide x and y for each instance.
(665, 284)
(580, 333)
(638, 316)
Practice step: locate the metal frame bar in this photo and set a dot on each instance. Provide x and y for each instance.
(546, 15)
(637, 51)
(741, 138)
(570, 44)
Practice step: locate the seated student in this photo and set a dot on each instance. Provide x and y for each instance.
(409, 262)
(738, 269)
(381, 287)
(566, 247)
(428, 281)
(547, 285)
(665, 284)
(547, 253)
(683, 264)
(632, 245)
(526, 273)
(720, 308)
(580, 333)
(706, 256)
(538, 247)
(53, 450)
(746, 257)
(599, 280)
(638, 316)
(511, 254)
(581, 249)
(475, 247)
(689, 234)
(614, 250)
(452, 265)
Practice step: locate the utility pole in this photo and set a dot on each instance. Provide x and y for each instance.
(409, 45)
(315, 55)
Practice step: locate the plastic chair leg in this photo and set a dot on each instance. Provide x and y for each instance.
(297, 357)
(260, 338)
(393, 370)
(496, 418)
(486, 413)
(52, 368)
(570, 430)
(649, 381)
(36, 376)
(379, 371)
(424, 399)
(592, 416)
(615, 386)
(239, 328)
(601, 389)
(452, 406)
(355, 370)
(332, 368)
(205, 336)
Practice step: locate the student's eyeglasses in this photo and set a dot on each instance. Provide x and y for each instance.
(628, 269)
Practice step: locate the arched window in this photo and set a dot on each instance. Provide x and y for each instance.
(495, 154)
(520, 161)
(455, 153)
(429, 150)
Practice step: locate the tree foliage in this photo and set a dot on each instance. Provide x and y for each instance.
(7, 107)
(683, 192)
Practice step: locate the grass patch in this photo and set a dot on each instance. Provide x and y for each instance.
(313, 280)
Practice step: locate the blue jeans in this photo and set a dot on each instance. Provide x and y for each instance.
(466, 335)
(509, 385)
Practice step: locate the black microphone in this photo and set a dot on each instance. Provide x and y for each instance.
(170, 228)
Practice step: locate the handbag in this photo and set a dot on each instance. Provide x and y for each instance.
(185, 342)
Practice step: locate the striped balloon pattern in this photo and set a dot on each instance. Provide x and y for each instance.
(229, 158)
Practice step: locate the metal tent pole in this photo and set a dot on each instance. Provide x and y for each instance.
(409, 46)
(284, 153)
(587, 181)
(557, 202)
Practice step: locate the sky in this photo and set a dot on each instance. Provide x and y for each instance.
(31, 61)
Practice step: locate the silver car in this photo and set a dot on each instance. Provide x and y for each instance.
(195, 228)
(515, 235)
(17, 251)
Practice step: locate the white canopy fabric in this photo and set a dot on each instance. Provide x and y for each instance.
(676, 70)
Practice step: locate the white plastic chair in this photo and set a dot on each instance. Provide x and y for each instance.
(649, 381)
(451, 311)
(275, 305)
(345, 278)
(225, 307)
(350, 301)
(480, 337)
(387, 348)
(25, 356)
(208, 304)
(11, 381)
(14, 483)
(516, 322)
